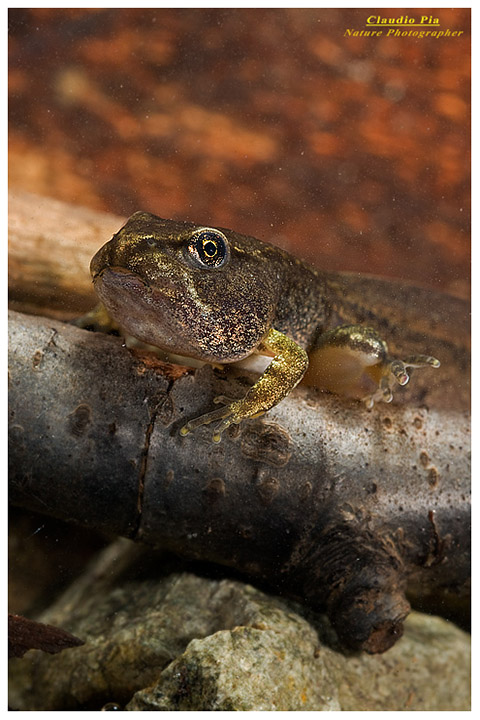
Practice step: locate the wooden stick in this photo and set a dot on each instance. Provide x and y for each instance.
(342, 508)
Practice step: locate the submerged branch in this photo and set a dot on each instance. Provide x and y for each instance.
(342, 508)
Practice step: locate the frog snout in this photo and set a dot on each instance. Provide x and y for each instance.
(108, 256)
(99, 262)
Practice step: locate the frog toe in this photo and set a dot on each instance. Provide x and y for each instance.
(221, 413)
(382, 394)
(227, 414)
(399, 368)
(396, 372)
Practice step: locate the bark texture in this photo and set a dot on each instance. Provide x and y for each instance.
(335, 505)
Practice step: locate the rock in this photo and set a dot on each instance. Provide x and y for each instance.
(278, 664)
(185, 642)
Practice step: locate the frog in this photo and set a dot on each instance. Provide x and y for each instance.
(210, 295)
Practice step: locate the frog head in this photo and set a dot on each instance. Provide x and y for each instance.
(201, 292)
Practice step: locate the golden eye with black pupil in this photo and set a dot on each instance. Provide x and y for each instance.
(208, 248)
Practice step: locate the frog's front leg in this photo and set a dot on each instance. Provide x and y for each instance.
(354, 361)
(285, 371)
(98, 320)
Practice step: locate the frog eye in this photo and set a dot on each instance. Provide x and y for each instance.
(208, 248)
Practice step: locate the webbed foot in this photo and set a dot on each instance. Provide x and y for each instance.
(395, 372)
(231, 413)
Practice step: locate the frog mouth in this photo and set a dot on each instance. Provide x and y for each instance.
(110, 279)
(104, 268)
(120, 286)
(141, 311)
(115, 270)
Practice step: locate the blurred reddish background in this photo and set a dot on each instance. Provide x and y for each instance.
(350, 152)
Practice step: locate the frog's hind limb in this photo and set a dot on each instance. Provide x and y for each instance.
(354, 361)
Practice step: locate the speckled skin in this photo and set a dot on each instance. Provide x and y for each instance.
(218, 315)
(219, 297)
